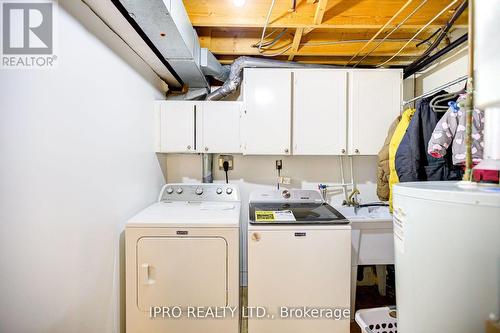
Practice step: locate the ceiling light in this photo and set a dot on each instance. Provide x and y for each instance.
(239, 3)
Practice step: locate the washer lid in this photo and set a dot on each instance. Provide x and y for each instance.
(188, 214)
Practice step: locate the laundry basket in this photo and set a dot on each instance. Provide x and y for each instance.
(377, 320)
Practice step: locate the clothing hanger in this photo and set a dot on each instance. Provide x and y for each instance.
(436, 104)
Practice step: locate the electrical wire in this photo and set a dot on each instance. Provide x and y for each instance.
(443, 33)
(392, 40)
(287, 47)
(272, 42)
(418, 33)
(265, 25)
(381, 29)
(394, 30)
(430, 37)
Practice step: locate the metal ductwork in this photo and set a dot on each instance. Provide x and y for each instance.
(210, 66)
(167, 25)
(236, 73)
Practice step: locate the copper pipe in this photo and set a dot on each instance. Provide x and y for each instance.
(470, 98)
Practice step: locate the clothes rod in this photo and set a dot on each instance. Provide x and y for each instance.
(433, 91)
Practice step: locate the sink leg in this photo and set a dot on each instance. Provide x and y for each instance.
(381, 278)
(354, 280)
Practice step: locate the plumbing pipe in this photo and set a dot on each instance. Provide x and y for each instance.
(342, 176)
(469, 102)
(355, 190)
(419, 32)
(206, 167)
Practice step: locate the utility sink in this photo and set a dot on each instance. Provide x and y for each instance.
(366, 213)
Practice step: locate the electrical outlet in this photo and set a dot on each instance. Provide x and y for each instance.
(224, 158)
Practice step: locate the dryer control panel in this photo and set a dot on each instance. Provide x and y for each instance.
(199, 192)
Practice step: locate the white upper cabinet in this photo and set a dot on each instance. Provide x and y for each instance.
(177, 124)
(375, 101)
(221, 127)
(288, 111)
(266, 121)
(319, 112)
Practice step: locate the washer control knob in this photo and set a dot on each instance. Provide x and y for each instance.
(179, 190)
(199, 191)
(218, 190)
(229, 190)
(170, 190)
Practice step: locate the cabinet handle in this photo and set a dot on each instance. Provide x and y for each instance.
(256, 236)
(356, 151)
(286, 150)
(343, 151)
(206, 148)
(189, 147)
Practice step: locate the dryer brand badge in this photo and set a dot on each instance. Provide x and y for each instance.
(28, 34)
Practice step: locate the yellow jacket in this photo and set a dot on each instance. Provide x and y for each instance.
(396, 139)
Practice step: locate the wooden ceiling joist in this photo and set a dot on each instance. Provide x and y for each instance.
(352, 14)
(318, 31)
(296, 43)
(320, 12)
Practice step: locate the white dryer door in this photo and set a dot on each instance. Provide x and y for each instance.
(181, 271)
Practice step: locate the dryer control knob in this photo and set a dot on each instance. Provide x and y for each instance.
(218, 190)
(179, 190)
(229, 190)
(170, 190)
(199, 191)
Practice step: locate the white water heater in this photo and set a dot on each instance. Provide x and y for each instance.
(447, 257)
(447, 234)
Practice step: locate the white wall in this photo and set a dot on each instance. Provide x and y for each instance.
(76, 147)
(256, 172)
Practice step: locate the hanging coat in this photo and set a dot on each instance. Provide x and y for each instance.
(393, 147)
(450, 131)
(383, 164)
(412, 161)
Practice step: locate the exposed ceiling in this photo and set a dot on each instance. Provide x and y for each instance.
(314, 28)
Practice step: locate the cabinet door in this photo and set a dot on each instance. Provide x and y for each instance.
(319, 112)
(177, 126)
(221, 127)
(375, 97)
(267, 116)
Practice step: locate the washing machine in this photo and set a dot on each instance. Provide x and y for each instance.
(299, 263)
(182, 261)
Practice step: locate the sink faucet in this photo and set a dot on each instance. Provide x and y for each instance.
(352, 200)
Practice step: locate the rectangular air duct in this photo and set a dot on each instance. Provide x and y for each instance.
(167, 25)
